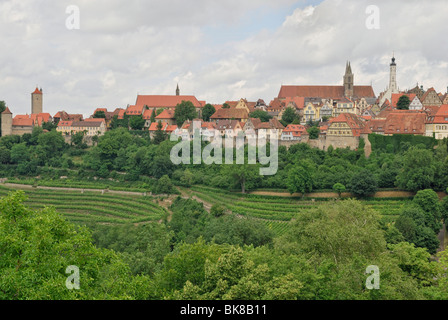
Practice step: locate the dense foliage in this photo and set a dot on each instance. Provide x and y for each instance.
(197, 255)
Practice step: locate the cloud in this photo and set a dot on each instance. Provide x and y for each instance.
(147, 47)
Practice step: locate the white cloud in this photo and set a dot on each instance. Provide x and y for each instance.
(125, 47)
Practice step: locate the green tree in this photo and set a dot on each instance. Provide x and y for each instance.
(37, 247)
(428, 200)
(159, 135)
(153, 116)
(164, 186)
(300, 179)
(403, 103)
(418, 170)
(339, 188)
(99, 115)
(77, 140)
(363, 184)
(314, 132)
(289, 115)
(207, 112)
(137, 122)
(262, 115)
(244, 175)
(185, 111)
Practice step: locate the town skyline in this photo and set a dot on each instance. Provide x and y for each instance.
(238, 50)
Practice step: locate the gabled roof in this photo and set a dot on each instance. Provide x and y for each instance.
(352, 120)
(147, 114)
(22, 122)
(431, 110)
(397, 96)
(166, 114)
(425, 95)
(134, 111)
(442, 115)
(296, 130)
(227, 124)
(154, 125)
(406, 123)
(328, 92)
(160, 101)
(228, 114)
(65, 123)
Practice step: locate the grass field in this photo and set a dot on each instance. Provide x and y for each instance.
(93, 207)
(277, 212)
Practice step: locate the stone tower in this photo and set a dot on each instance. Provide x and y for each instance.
(348, 81)
(393, 77)
(177, 90)
(6, 123)
(37, 101)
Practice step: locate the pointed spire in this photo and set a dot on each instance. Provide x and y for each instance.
(177, 90)
(348, 68)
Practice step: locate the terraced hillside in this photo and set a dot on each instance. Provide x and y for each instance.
(277, 212)
(95, 207)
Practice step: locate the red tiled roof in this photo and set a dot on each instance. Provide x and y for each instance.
(405, 123)
(7, 111)
(65, 123)
(298, 101)
(20, 122)
(329, 92)
(431, 110)
(228, 114)
(397, 96)
(296, 130)
(171, 128)
(147, 114)
(165, 101)
(166, 114)
(134, 110)
(442, 115)
(154, 126)
(37, 91)
(352, 120)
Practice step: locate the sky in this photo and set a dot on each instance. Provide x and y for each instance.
(216, 50)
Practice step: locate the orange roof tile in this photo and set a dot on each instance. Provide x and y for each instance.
(20, 122)
(7, 111)
(397, 96)
(37, 91)
(442, 115)
(329, 92)
(134, 111)
(166, 114)
(405, 123)
(160, 101)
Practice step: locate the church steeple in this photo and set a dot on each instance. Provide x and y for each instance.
(348, 81)
(393, 76)
(177, 90)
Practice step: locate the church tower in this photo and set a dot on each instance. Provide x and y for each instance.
(348, 81)
(37, 101)
(177, 90)
(393, 77)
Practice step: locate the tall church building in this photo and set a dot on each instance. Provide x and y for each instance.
(349, 81)
(393, 87)
(37, 102)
